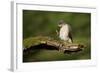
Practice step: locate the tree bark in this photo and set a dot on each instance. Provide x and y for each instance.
(54, 45)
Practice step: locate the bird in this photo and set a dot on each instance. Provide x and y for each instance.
(65, 31)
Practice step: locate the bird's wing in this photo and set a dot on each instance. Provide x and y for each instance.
(70, 36)
(70, 33)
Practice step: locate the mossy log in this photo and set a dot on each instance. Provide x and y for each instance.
(42, 42)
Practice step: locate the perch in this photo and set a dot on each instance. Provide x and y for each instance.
(42, 42)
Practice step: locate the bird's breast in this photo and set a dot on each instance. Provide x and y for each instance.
(64, 32)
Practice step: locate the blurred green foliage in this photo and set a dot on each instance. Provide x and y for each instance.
(44, 23)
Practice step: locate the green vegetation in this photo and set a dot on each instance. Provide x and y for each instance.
(44, 23)
(34, 41)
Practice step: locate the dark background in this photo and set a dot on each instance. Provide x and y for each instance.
(36, 23)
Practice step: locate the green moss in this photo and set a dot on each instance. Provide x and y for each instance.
(36, 40)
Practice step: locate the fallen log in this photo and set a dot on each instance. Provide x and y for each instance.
(51, 44)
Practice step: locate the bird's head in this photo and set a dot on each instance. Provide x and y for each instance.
(61, 23)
